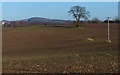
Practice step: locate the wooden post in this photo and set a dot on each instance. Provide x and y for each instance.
(108, 30)
(108, 37)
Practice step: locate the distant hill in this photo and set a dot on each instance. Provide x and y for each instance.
(35, 21)
(46, 20)
(41, 20)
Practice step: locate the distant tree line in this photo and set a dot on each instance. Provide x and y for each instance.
(14, 24)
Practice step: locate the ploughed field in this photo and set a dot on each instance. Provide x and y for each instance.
(40, 49)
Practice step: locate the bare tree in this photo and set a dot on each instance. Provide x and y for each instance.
(117, 19)
(78, 13)
(95, 20)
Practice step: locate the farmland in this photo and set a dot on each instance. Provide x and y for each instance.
(40, 49)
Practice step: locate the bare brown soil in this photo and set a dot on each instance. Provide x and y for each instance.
(38, 49)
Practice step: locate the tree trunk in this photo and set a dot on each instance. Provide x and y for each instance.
(77, 23)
